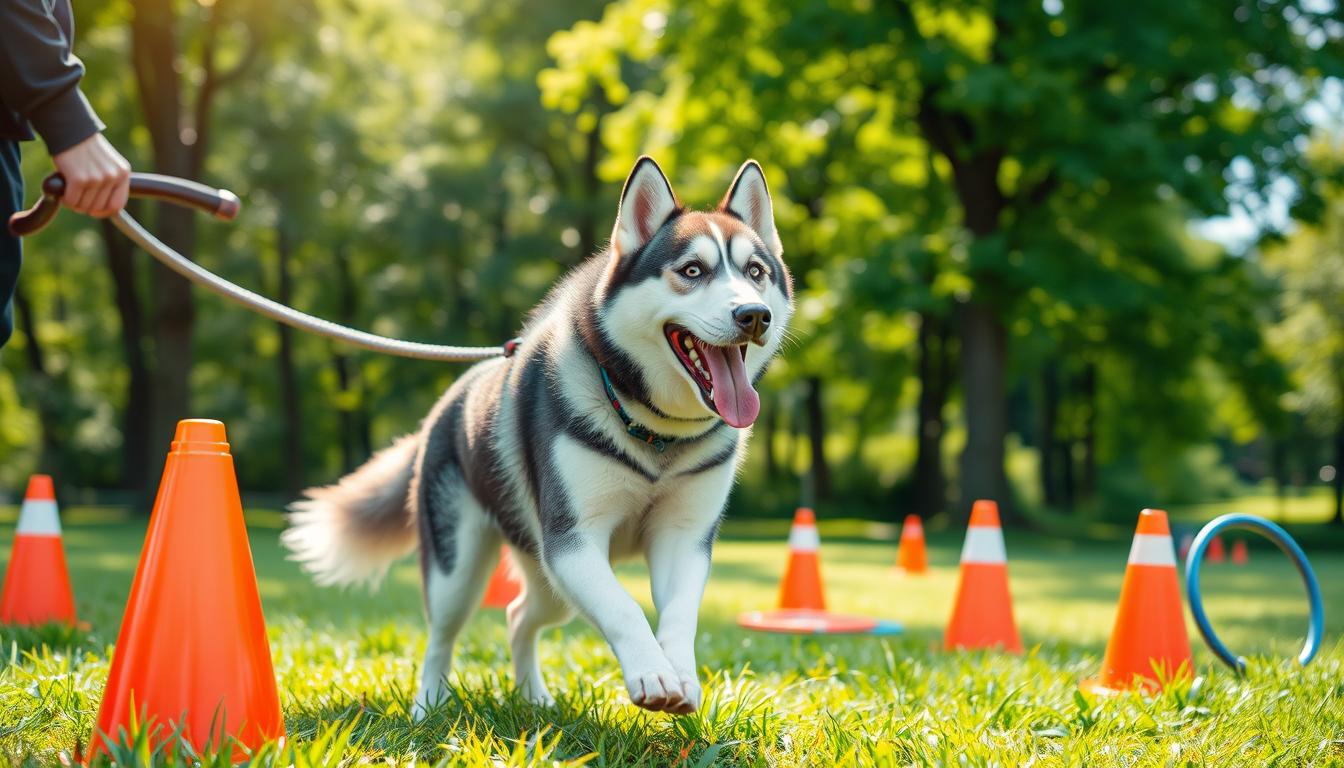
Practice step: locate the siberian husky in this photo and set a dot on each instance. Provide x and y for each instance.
(615, 428)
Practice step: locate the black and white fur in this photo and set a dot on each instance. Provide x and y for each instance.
(529, 451)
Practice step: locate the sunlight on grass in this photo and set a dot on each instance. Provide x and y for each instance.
(346, 665)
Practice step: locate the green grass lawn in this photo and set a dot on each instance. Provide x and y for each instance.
(346, 664)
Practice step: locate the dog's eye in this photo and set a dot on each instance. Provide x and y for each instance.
(755, 271)
(692, 270)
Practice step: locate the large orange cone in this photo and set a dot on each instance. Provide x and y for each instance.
(802, 600)
(192, 653)
(911, 556)
(504, 583)
(1240, 555)
(983, 613)
(1149, 642)
(37, 586)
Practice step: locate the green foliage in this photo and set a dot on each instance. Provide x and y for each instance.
(428, 171)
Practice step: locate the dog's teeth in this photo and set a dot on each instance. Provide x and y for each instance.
(695, 356)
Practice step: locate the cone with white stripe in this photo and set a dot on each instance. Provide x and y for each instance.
(37, 585)
(1149, 643)
(802, 599)
(801, 587)
(983, 614)
(911, 556)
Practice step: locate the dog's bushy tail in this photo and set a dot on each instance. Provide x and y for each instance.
(353, 531)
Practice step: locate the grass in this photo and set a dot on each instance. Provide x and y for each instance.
(346, 663)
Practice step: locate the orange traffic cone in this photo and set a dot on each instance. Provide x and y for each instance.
(911, 556)
(1216, 553)
(1240, 555)
(504, 583)
(802, 600)
(1149, 641)
(983, 612)
(37, 586)
(801, 587)
(192, 653)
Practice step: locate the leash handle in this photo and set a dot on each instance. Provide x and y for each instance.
(220, 203)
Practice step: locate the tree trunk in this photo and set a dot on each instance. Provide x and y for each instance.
(137, 448)
(289, 387)
(1048, 446)
(1088, 485)
(768, 439)
(930, 491)
(984, 350)
(588, 216)
(354, 420)
(816, 425)
(49, 414)
(1339, 472)
(154, 49)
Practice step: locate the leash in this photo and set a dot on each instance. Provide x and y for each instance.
(224, 205)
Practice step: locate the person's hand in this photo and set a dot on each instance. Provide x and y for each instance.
(97, 177)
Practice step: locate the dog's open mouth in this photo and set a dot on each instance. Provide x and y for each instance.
(721, 373)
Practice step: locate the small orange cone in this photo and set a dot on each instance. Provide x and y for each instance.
(192, 653)
(504, 583)
(802, 600)
(37, 585)
(983, 612)
(1149, 639)
(801, 587)
(911, 556)
(1240, 555)
(1216, 553)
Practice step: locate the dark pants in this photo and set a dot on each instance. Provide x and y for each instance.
(11, 247)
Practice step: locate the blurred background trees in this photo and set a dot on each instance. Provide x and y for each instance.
(1044, 252)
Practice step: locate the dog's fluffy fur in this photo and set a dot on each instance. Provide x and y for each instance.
(684, 310)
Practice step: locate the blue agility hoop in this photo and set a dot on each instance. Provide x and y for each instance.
(1316, 623)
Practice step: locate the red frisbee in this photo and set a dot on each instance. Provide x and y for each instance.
(807, 622)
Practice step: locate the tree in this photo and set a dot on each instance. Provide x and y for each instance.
(1038, 117)
(1310, 335)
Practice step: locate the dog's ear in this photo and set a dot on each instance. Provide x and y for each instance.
(749, 200)
(647, 202)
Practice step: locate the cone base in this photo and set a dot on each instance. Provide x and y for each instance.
(813, 622)
(1094, 686)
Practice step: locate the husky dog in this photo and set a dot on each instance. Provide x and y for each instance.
(615, 428)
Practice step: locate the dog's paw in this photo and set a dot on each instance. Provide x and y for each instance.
(537, 695)
(690, 687)
(659, 691)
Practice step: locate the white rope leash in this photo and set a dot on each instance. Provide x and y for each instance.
(290, 316)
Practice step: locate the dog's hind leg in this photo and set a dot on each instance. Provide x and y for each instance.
(460, 547)
(535, 609)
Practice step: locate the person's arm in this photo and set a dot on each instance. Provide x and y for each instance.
(39, 79)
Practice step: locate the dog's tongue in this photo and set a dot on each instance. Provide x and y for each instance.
(734, 396)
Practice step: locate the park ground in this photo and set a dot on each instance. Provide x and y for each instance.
(346, 664)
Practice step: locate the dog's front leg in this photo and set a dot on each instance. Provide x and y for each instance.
(678, 570)
(578, 564)
(680, 539)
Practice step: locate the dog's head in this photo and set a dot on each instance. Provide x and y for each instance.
(697, 301)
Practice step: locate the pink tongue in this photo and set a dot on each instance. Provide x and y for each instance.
(734, 396)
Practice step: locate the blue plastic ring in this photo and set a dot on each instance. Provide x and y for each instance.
(1316, 624)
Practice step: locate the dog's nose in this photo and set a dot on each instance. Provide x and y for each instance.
(753, 319)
